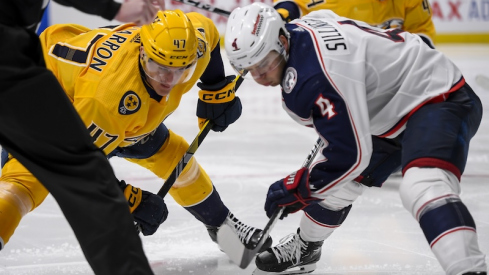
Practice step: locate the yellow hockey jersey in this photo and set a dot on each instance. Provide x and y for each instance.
(410, 15)
(99, 70)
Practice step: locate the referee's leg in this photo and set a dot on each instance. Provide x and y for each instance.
(40, 127)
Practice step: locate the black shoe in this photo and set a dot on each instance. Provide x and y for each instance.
(475, 273)
(245, 233)
(292, 252)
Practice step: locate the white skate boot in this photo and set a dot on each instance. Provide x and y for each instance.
(246, 234)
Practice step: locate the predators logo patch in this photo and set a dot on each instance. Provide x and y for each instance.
(130, 103)
(202, 48)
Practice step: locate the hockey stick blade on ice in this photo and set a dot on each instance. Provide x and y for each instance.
(204, 6)
(238, 253)
(229, 242)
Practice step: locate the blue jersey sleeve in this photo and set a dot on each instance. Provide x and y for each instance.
(214, 72)
(330, 118)
(332, 121)
(308, 94)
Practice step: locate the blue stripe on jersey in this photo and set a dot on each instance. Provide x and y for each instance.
(308, 97)
(144, 150)
(73, 54)
(445, 218)
(214, 72)
(4, 157)
(326, 217)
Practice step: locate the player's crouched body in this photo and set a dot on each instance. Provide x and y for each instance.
(193, 189)
(362, 82)
(22, 193)
(123, 98)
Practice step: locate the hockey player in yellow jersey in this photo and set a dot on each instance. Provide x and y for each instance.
(124, 81)
(410, 15)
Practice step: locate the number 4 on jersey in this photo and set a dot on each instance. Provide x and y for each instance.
(327, 108)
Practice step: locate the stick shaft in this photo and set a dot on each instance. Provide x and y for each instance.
(232, 245)
(185, 159)
(190, 151)
(278, 212)
(205, 6)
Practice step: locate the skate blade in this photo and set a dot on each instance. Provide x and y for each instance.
(304, 269)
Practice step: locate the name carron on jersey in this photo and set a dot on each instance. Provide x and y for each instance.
(105, 52)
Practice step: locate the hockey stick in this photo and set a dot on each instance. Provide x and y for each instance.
(208, 124)
(188, 154)
(191, 151)
(206, 7)
(229, 241)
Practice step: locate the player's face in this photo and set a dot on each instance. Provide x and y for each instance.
(163, 78)
(268, 72)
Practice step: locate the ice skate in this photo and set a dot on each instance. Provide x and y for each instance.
(246, 234)
(292, 256)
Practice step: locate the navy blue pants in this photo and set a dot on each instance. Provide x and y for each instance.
(437, 135)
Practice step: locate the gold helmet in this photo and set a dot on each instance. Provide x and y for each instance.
(170, 40)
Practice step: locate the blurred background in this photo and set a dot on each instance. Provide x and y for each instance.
(379, 237)
(456, 21)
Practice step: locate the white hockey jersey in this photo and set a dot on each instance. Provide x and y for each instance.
(351, 81)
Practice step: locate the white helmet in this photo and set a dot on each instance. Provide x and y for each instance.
(251, 33)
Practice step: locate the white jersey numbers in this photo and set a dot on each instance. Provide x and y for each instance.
(326, 107)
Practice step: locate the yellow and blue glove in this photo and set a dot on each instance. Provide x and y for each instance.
(148, 210)
(218, 104)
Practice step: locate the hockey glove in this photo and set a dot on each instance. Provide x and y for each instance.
(148, 209)
(218, 104)
(292, 192)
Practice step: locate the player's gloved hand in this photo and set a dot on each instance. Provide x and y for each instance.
(292, 192)
(218, 104)
(148, 210)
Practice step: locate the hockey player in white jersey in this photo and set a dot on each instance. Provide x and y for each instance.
(351, 81)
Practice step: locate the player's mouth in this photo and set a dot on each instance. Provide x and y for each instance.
(164, 86)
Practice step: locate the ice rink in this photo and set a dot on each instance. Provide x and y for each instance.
(379, 236)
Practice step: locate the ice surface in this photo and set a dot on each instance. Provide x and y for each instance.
(379, 236)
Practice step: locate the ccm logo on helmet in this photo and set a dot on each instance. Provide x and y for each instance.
(178, 56)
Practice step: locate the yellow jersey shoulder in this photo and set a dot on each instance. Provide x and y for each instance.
(205, 29)
(99, 70)
(410, 15)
